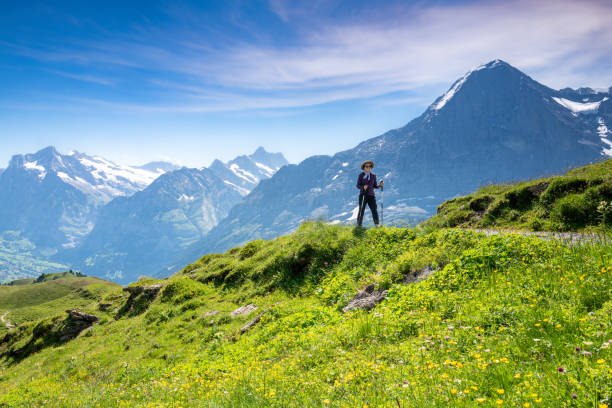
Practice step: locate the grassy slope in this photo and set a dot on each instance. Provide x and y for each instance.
(492, 326)
(561, 203)
(27, 301)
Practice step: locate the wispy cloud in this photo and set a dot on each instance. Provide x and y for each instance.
(86, 78)
(361, 57)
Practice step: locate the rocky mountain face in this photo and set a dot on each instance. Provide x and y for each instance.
(139, 234)
(244, 172)
(494, 125)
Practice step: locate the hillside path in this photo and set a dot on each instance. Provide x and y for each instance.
(572, 238)
(8, 324)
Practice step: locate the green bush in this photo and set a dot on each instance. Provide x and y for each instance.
(182, 290)
(562, 186)
(574, 211)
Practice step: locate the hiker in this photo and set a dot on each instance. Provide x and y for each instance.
(366, 183)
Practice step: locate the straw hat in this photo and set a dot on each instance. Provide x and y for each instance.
(366, 162)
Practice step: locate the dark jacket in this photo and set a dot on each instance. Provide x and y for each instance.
(370, 183)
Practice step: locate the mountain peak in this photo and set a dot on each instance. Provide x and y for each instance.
(494, 64)
(495, 67)
(47, 151)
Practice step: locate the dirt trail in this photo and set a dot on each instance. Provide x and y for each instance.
(8, 324)
(569, 237)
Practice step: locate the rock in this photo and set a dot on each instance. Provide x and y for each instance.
(256, 320)
(211, 313)
(243, 310)
(538, 189)
(251, 323)
(151, 290)
(80, 316)
(141, 296)
(104, 306)
(366, 299)
(417, 276)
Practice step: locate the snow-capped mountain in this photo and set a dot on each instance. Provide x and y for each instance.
(244, 172)
(140, 234)
(495, 124)
(97, 178)
(158, 167)
(50, 201)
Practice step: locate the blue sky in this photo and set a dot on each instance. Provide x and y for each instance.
(189, 82)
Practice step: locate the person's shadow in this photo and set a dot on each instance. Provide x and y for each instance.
(358, 232)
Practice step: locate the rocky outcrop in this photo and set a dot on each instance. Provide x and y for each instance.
(76, 322)
(49, 332)
(366, 299)
(77, 315)
(417, 276)
(252, 323)
(243, 310)
(256, 320)
(151, 290)
(139, 300)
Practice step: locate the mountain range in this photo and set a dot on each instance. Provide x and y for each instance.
(494, 125)
(50, 204)
(135, 235)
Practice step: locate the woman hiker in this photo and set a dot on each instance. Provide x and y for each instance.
(366, 183)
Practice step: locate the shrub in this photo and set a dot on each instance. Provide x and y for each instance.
(574, 211)
(479, 204)
(562, 186)
(181, 290)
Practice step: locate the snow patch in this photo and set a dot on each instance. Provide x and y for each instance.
(106, 171)
(243, 174)
(345, 164)
(63, 176)
(241, 190)
(603, 131)
(579, 107)
(265, 168)
(186, 198)
(458, 84)
(354, 214)
(36, 167)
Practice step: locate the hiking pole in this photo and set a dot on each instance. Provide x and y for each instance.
(382, 204)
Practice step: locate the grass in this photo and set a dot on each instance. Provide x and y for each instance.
(29, 300)
(579, 200)
(504, 320)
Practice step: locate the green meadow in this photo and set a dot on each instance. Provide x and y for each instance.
(464, 319)
(26, 300)
(504, 320)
